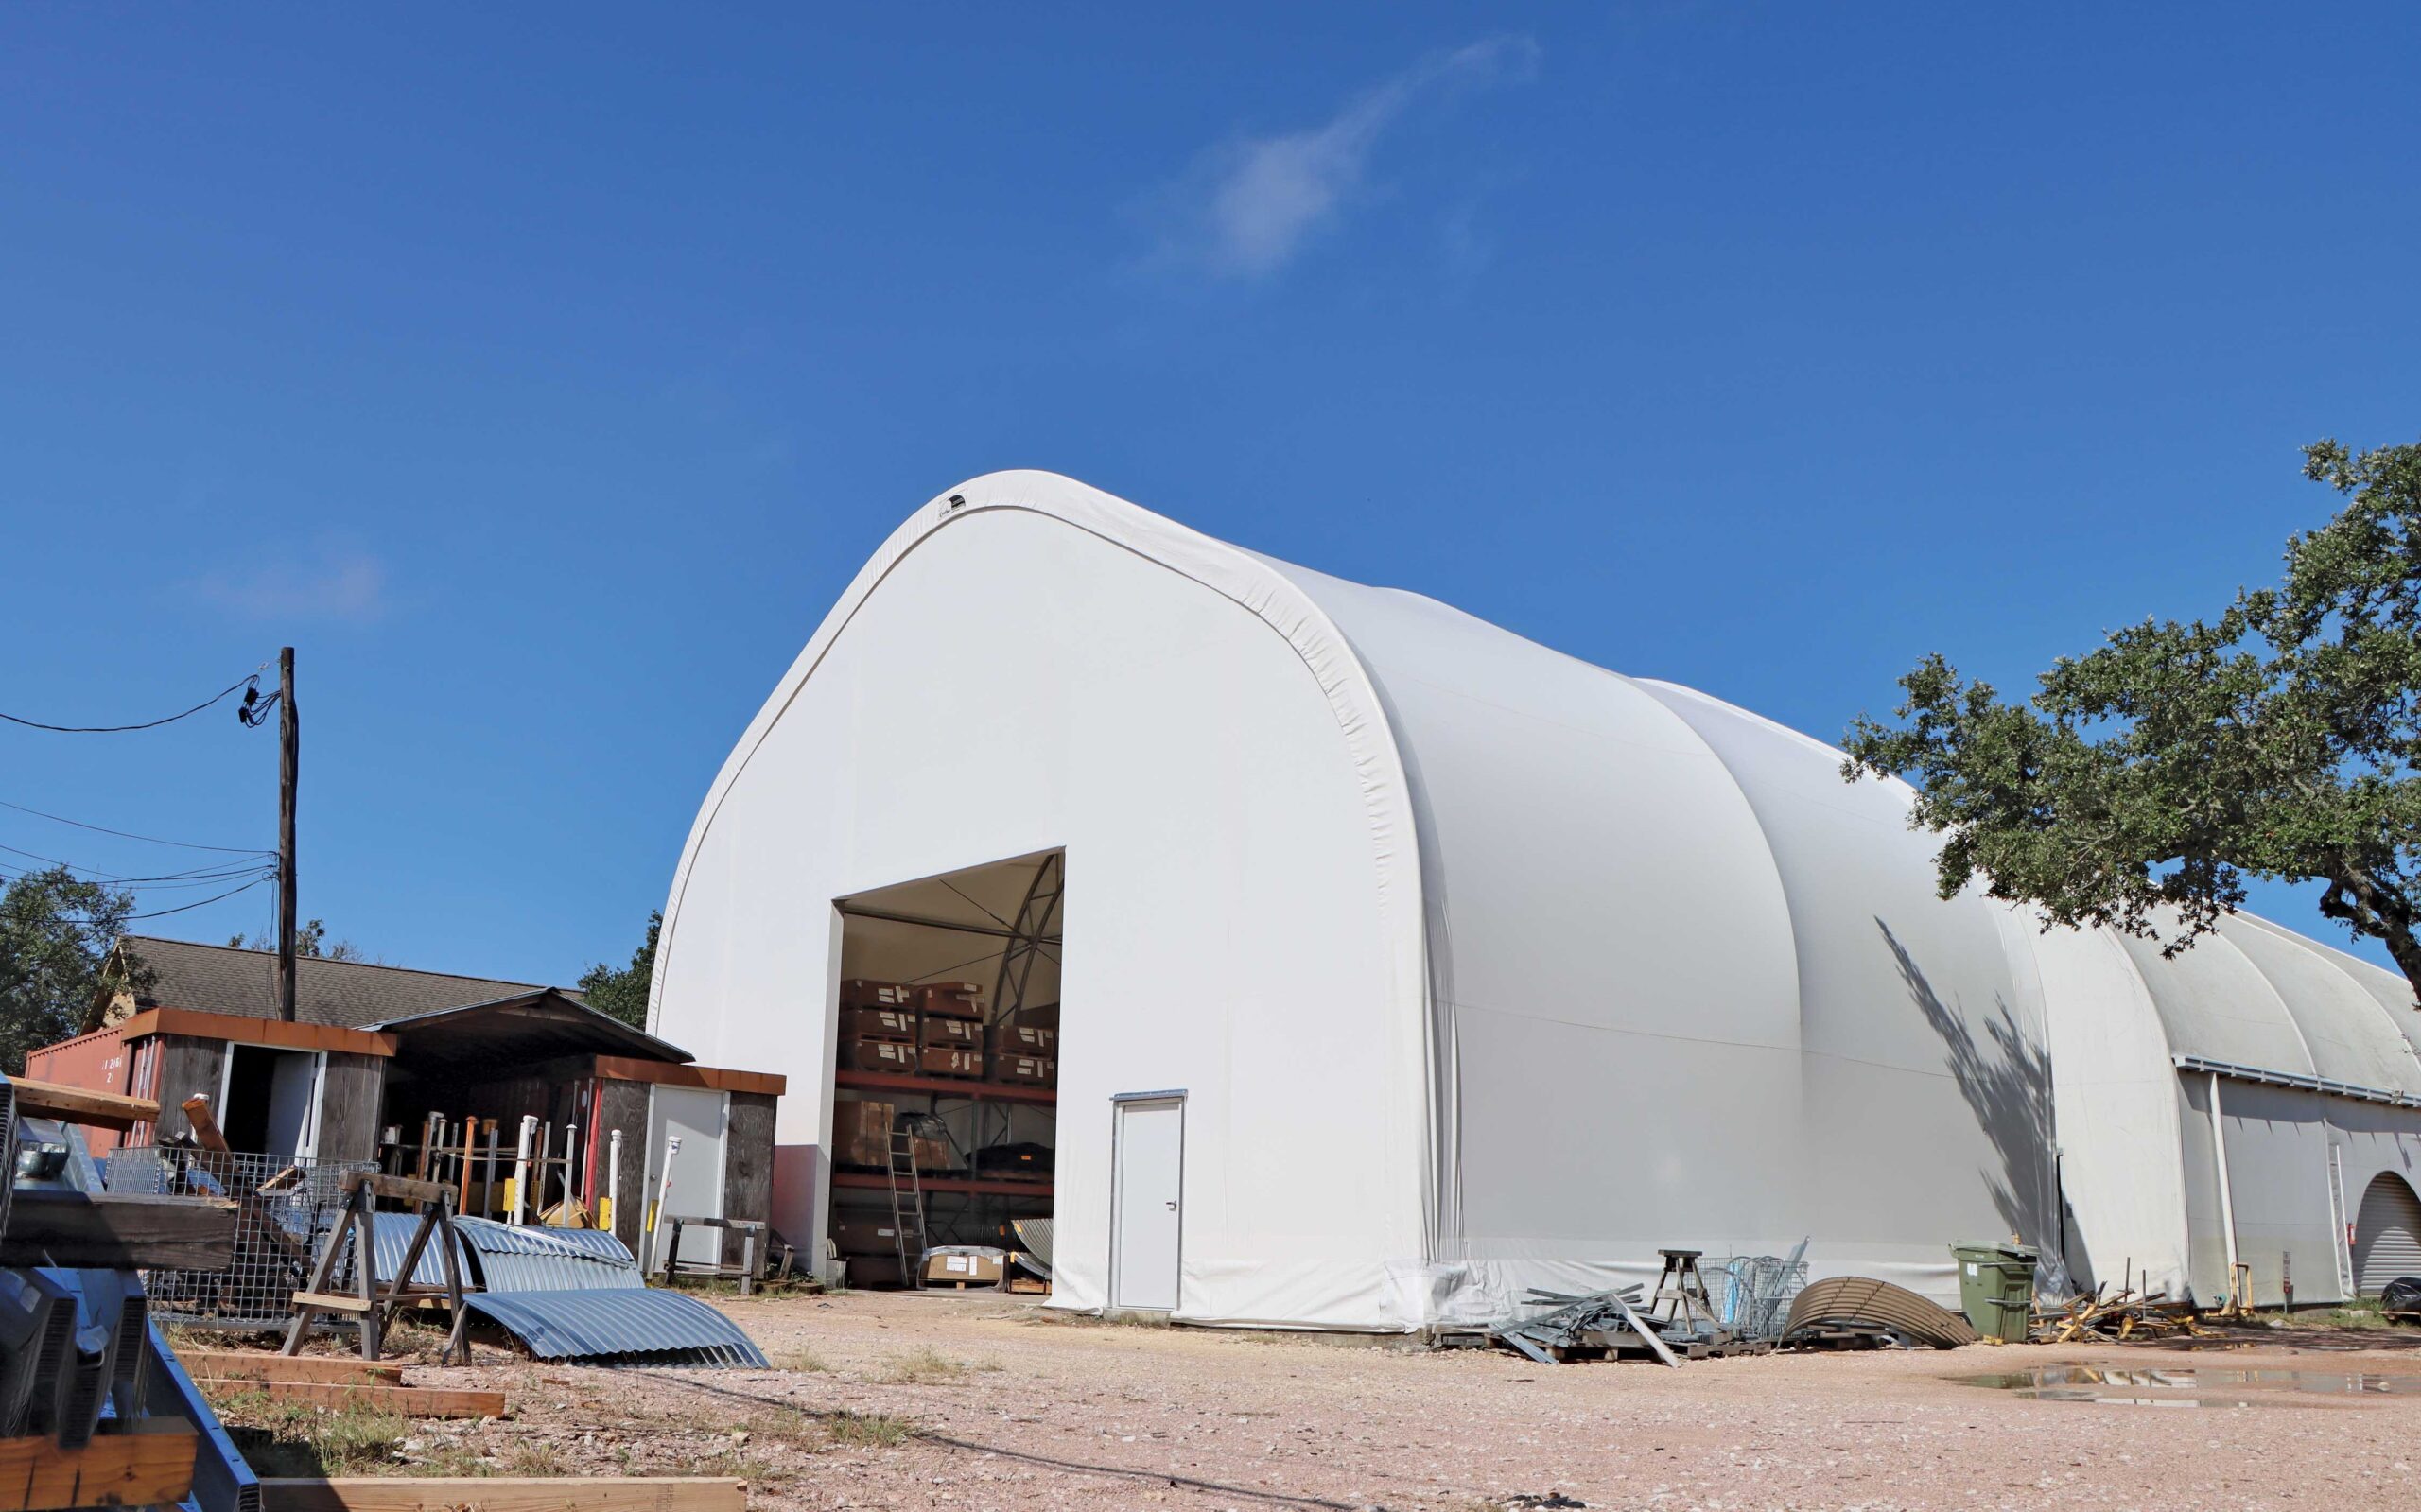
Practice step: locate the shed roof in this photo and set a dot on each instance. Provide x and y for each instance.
(348, 994)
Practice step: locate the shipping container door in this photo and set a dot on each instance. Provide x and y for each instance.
(698, 1118)
(1147, 1186)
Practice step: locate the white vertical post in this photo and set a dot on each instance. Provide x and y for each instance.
(521, 1167)
(613, 1181)
(571, 1165)
(2227, 1203)
(663, 1190)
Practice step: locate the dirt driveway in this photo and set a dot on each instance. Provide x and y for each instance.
(964, 1400)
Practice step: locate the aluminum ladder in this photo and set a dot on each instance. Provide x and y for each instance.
(906, 1208)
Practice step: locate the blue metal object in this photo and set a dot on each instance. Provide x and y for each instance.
(548, 1259)
(221, 1480)
(620, 1327)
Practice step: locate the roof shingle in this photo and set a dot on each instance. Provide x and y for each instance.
(348, 994)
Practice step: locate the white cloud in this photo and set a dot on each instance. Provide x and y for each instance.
(332, 584)
(1250, 205)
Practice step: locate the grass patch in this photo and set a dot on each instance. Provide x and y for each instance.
(805, 1361)
(920, 1367)
(293, 1438)
(867, 1430)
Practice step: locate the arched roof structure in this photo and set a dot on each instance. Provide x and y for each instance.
(1638, 968)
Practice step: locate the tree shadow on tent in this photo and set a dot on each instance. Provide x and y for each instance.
(2007, 1083)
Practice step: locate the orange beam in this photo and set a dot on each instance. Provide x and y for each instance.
(713, 1078)
(242, 1028)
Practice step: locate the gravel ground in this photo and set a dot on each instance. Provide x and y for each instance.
(969, 1400)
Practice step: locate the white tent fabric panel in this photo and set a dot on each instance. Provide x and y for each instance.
(2115, 1095)
(2341, 1026)
(1910, 1015)
(2278, 1183)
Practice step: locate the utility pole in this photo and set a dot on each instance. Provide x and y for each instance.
(288, 768)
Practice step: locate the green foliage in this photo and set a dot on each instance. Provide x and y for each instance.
(311, 939)
(2149, 778)
(57, 931)
(624, 993)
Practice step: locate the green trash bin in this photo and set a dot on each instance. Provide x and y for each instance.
(1996, 1288)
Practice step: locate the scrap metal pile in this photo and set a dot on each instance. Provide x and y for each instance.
(1766, 1305)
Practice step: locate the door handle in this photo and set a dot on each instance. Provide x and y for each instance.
(1172, 1207)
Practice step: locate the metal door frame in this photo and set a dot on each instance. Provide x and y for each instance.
(1119, 1102)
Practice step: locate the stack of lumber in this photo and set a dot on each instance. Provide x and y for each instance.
(504, 1493)
(325, 1380)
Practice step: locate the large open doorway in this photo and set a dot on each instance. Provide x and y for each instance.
(268, 1100)
(945, 1120)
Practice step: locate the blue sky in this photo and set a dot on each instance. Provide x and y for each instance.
(542, 374)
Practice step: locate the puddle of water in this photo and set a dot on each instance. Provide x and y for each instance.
(2122, 1386)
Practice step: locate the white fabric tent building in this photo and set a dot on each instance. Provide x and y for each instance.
(1483, 968)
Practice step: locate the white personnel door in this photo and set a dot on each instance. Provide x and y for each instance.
(1148, 1159)
(698, 1115)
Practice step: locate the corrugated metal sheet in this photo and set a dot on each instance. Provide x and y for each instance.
(620, 1326)
(391, 1234)
(550, 1259)
(492, 1238)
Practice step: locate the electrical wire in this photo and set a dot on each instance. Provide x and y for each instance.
(160, 913)
(123, 834)
(211, 880)
(252, 682)
(213, 872)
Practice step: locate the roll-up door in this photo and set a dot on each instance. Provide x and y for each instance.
(2387, 1234)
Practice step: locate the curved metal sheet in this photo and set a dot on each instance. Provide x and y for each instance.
(550, 1259)
(491, 1238)
(620, 1327)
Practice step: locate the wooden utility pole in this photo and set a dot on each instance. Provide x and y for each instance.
(288, 768)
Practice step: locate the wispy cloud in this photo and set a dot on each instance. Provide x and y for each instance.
(328, 585)
(1250, 205)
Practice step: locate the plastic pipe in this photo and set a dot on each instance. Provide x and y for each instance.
(520, 1193)
(612, 1182)
(663, 1190)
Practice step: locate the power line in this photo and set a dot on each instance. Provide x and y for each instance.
(160, 913)
(215, 870)
(253, 682)
(123, 834)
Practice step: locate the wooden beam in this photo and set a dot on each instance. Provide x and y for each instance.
(118, 1231)
(77, 1104)
(713, 1078)
(152, 1467)
(242, 1028)
(252, 1365)
(400, 1188)
(568, 1493)
(205, 1123)
(411, 1402)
